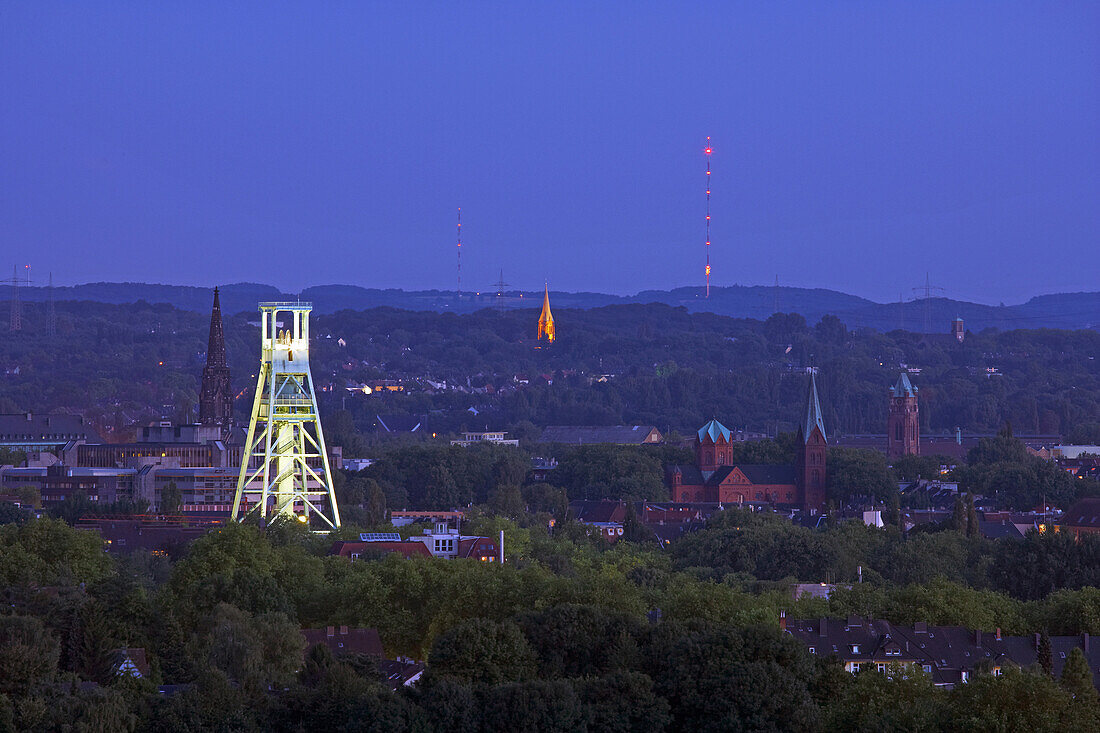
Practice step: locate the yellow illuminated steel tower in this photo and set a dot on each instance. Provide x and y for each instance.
(277, 477)
(546, 320)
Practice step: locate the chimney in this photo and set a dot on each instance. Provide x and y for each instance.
(823, 629)
(502, 547)
(998, 633)
(1036, 642)
(1085, 641)
(331, 631)
(783, 621)
(920, 627)
(977, 637)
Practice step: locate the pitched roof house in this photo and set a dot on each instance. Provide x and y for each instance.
(950, 655)
(1082, 517)
(595, 435)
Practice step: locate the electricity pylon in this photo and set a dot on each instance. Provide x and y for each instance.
(283, 483)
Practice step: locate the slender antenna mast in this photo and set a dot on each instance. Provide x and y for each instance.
(51, 313)
(707, 150)
(459, 291)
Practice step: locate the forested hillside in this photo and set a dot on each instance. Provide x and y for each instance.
(1057, 310)
(651, 364)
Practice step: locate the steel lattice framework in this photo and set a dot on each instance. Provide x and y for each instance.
(276, 477)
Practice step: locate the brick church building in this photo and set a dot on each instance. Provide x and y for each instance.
(716, 478)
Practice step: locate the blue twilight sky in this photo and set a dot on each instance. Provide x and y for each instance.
(857, 144)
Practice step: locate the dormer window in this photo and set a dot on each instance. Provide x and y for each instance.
(854, 648)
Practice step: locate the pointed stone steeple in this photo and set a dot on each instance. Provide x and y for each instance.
(216, 395)
(813, 413)
(546, 320)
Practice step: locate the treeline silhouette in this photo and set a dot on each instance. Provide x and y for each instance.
(660, 365)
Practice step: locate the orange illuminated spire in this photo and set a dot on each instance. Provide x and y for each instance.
(546, 319)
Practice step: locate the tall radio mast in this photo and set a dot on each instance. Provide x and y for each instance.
(707, 150)
(459, 291)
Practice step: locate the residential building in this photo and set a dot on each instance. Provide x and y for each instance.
(441, 542)
(449, 544)
(130, 662)
(1074, 451)
(156, 535)
(342, 640)
(376, 548)
(59, 482)
(494, 437)
(53, 433)
(949, 655)
(1082, 518)
(596, 435)
(400, 519)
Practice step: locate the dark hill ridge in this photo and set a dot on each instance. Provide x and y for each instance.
(1063, 310)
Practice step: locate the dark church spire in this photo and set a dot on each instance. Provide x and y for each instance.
(216, 397)
(215, 347)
